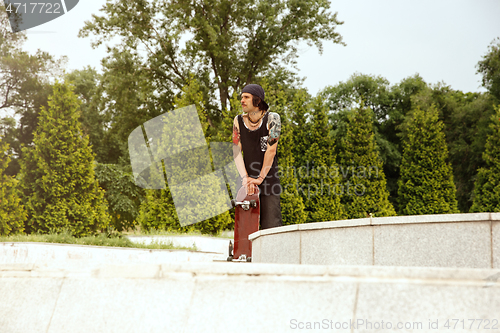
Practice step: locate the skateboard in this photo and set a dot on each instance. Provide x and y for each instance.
(246, 221)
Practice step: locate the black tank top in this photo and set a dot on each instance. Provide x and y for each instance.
(254, 144)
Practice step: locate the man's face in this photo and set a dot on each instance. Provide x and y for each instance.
(247, 104)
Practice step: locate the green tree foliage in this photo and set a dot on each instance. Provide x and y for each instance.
(24, 87)
(426, 184)
(292, 205)
(318, 185)
(57, 176)
(390, 105)
(464, 115)
(158, 210)
(88, 87)
(8, 41)
(466, 140)
(490, 68)
(465, 118)
(228, 42)
(299, 114)
(373, 91)
(12, 213)
(487, 186)
(123, 196)
(363, 180)
(389, 142)
(127, 96)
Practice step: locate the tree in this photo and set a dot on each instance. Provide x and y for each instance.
(159, 211)
(124, 197)
(12, 213)
(465, 117)
(24, 87)
(8, 40)
(403, 95)
(390, 105)
(466, 130)
(489, 67)
(57, 173)
(318, 185)
(299, 116)
(487, 186)
(426, 184)
(127, 96)
(292, 205)
(363, 179)
(373, 92)
(228, 42)
(87, 87)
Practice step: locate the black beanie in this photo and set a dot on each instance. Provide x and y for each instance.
(255, 90)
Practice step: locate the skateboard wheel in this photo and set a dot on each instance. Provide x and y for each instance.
(233, 203)
(253, 203)
(230, 258)
(249, 259)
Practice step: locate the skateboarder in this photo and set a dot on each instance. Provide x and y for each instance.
(256, 132)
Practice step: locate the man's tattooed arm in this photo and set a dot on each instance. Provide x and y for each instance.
(238, 158)
(236, 134)
(274, 128)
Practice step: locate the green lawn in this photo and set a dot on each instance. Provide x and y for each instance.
(101, 240)
(223, 234)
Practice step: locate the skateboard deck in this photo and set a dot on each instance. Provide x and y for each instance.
(246, 222)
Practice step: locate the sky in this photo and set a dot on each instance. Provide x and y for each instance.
(442, 40)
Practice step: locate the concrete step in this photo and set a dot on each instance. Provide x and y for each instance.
(245, 297)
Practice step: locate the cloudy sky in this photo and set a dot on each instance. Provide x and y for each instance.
(442, 40)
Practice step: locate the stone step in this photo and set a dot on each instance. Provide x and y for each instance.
(229, 297)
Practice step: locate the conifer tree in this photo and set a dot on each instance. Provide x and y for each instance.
(487, 185)
(59, 188)
(426, 182)
(299, 110)
(292, 205)
(12, 213)
(319, 182)
(360, 167)
(158, 211)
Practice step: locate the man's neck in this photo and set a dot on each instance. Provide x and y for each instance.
(255, 115)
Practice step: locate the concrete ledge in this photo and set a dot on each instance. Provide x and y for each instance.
(444, 240)
(437, 218)
(228, 297)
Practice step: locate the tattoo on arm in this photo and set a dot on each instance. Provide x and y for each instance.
(274, 128)
(236, 135)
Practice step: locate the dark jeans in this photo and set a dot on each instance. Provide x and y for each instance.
(270, 211)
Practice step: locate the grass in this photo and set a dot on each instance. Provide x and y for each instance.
(100, 240)
(223, 234)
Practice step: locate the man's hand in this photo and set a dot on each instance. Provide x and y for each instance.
(251, 184)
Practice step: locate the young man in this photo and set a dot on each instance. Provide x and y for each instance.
(256, 133)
